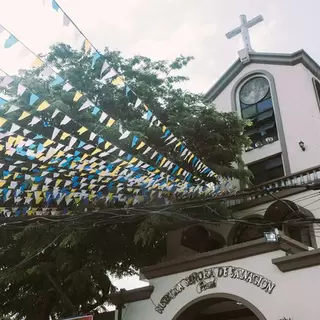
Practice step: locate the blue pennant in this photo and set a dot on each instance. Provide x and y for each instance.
(160, 156)
(10, 41)
(95, 57)
(166, 134)
(55, 6)
(127, 90)
(100, 140)
(95, 110)
(58, 80)
(135, 140)
(176, 168)
(81, 144)
(33, 99)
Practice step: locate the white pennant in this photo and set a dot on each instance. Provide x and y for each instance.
(65, 120)
(86, 105)
(21, 89)
(110, 74)
(120, 128)
(46, 72)
(137, 104)
(12, 108)
(103, 117)
(55, 113)
(121, 153)
(147, 150)
(34, 121)
(67, 87)
(73, 140)
(6, 81)
(154, 154)
(92, 136)
(14, 128)
(105, 66)
(125, 135)
(55, 133)
(172, 141)
(26, 132)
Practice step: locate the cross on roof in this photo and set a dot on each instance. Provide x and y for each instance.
(244, 29)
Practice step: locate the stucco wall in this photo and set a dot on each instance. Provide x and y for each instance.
(293, 297)
(299, 112)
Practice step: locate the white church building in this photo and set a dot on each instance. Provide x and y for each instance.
(235, 270)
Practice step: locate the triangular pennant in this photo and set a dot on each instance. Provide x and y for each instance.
(67, 87)
(141, 145)
(82, 130)
(58, 80)
(14, 128)
(33, 99)
(104, 67)
(66, 20)
(34, 121)
(103, 117)
(87, 46)
(95, 57)
(125, 135)
(44, 105)
(110, 122)
(77, 96)
(21, 89)
(55, 133)
(6, 81)
(55, 113)
(65, 120)
(37, 63)
(119, 81)
(10, 41)
(86, 105)
(110, 74)
(12, 108)
(24, 115)
(138, 103)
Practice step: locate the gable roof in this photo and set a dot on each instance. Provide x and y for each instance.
(263, 58)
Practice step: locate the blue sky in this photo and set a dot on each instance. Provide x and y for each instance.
(164, 29)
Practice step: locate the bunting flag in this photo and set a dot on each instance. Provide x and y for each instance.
(10, 41)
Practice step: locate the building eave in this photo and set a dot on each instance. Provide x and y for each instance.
(262, 58)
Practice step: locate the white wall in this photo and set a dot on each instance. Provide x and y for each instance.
(295, 295)
(299, 111)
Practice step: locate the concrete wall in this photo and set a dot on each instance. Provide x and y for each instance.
(294, 296)
(299, 112)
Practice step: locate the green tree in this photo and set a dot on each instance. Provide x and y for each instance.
(60, 268)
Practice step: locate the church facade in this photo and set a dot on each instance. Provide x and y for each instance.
(230, 270)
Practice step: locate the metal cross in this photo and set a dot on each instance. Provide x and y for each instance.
(244, 29)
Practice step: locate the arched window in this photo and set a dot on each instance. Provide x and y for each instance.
(282, 212)
(255, 99)
(251, 229)
(201, 239)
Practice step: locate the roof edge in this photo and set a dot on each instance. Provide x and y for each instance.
(292, 59)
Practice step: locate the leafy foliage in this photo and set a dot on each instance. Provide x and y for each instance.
(59, 268)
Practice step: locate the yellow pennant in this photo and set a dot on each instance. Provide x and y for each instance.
(60, 154)
(37, 63)
(179, 171)
(38, 200)
(110, 122)
(58, 182)
(1, 147)
(87, 46)
(163, 161)
(84, 157)
(2, 121)
(107, 145)
(44, 105)
(133, 160)
(65, 135)
(24, 115)
(178, 144)
(48, 142)
(2, 183)
(77, 96)
(164, 128)
(118, 81)
(11, 140)
(141, 145)
(15, 175)
(191, 157)
(96, 151)
(18, 140)
(82, 130)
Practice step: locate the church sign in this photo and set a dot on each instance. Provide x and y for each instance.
(207, 279)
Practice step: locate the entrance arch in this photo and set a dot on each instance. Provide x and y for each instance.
(220, 306)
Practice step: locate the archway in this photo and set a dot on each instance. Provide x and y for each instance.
(202, 239)
(219, 306)
(243, 232)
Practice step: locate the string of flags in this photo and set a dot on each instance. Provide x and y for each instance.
(50, 163)
(97, 111)
(109, 73)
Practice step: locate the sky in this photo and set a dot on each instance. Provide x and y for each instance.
(162, 29)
